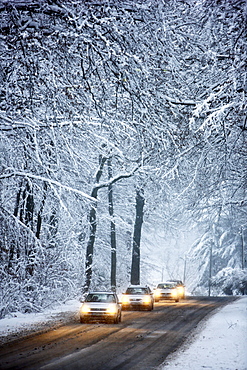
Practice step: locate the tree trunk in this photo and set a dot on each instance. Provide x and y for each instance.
(135, 266)
(92, 219)
(39, 218)
(53, 228)
(17, 203)
(14, 248)
(92, 232)
(27, 206)
(24, 207)
(113, 229)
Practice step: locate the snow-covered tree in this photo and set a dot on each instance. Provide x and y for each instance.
(156, 88)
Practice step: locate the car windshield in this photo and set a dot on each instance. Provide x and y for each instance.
(137, 291)
(166, 286)
(177, 282)
(103, 298)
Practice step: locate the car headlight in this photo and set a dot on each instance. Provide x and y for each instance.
(112, 309)
(174, 293)
(125, 299)
(146, 299)
(180, 290)
(85, 308)
(157, 293)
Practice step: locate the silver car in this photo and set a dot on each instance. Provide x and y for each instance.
(180, 288)
(101, 306)
(138, 297)
(167, 290)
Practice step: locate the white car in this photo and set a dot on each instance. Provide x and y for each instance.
(101, 306)
(180, 287)
(167, 290)
(138, 296)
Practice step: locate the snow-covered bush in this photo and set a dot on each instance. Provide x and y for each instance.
(231, 281)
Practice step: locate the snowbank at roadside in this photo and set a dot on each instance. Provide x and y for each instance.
(220, 342)
(19, 323)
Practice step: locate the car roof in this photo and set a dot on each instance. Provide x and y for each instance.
(176, 281)
(138, 286)
(100, 292)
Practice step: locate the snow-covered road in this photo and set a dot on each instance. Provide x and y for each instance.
(219, 344)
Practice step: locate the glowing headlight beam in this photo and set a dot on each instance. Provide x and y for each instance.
(174, 293)
(125, 299)
(85, 308)
(112, 309)
(146, 299)
(157, 293)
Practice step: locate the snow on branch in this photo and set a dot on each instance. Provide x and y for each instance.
(205, 107)
(19, 222)
(192, 180)
(29, 5)
(214, 116)
(180, 102)
(116, 178)
(7, 124)
(50, 181)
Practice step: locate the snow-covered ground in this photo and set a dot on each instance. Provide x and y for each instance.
(220, 343)
(20, 324)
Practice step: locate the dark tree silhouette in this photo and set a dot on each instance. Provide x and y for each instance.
(135, 267)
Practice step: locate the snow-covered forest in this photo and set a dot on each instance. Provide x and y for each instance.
(123, 147)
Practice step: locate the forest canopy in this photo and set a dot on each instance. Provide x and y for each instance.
(119, 119)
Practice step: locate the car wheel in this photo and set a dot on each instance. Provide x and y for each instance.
(120, 318)
(82, 320)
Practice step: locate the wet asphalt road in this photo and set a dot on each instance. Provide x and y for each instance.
(141, 341)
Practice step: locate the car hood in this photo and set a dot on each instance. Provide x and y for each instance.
(99, 304)
(136, 296)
